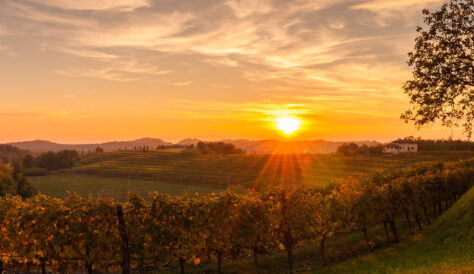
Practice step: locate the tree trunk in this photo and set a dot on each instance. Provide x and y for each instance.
(255, 256)
(289, 250)
(219, 262)
(418, 221)
(407, 216)
(88, 263)
(141, 263)
(43, 265)
(124, 238)
(393, 226)
(387, 237)
(435, 211)
(181, 265)
(323, 255)
(1, 266)
(427, 217)
(366, 237)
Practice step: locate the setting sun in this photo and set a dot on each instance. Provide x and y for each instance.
(288, 125)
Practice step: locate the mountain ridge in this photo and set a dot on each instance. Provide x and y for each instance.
(253, 146)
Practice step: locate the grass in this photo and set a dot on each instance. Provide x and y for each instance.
(57, 185)
(171, 172)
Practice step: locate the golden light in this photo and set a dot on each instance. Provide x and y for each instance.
(288, 124)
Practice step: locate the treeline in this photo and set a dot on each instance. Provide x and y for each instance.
(214, 148)
(52, 160)
(9, 153)
(351, 149)
(444, 145)
(101, 235)
(13, 182)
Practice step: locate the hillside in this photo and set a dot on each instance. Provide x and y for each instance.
(38, 146)
(446, 247)
(176, 173)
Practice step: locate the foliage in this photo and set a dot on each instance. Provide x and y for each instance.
(443, 73)
(216, 148)
(60, 160)
(13, 182)
(352, 149)
(444, 145)
(9, 153)
(78, 234)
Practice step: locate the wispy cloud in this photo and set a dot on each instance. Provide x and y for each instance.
(95, 5)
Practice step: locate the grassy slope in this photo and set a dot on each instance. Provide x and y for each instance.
(446, 247)
(57, 185)
(116, 173)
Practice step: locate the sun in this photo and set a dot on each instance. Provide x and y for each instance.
(288, 124)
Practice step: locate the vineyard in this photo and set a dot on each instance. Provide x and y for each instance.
(192, 232)
(176, 173)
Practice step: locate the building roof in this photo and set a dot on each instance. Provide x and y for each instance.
(392, 145)
(404, 141)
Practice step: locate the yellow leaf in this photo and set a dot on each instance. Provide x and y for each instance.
(281, 246)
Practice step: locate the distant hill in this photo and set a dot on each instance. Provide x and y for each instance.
(257, 146)
(188, 142)
(38, 146)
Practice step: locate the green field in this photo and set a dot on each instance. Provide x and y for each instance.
(117, 173)
(57, 185)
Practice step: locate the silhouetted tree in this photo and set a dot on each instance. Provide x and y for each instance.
(443, 73)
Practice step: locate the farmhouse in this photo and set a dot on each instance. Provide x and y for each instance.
(401, 145)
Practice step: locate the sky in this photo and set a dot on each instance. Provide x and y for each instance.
(88, 71)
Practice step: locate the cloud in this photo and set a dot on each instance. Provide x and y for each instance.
(383, 4)
(95, 4)
(286, 45)
(182, 84)
(243, 8)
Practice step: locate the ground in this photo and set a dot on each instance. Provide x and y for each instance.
(116, 173)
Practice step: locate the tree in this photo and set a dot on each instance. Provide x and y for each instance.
(443, 74)
(28, 161)
(7, 183)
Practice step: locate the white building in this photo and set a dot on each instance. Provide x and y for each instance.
(400, 146)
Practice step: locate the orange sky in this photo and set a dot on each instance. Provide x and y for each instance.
(86, 71)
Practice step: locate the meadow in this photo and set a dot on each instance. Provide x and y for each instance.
(171, 172)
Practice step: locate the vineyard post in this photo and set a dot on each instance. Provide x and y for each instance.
(43, 265)
(123, 236)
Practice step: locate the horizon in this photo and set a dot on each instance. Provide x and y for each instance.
(217, 140)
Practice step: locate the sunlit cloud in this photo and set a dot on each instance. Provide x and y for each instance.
(382, 4)
(95, 5)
